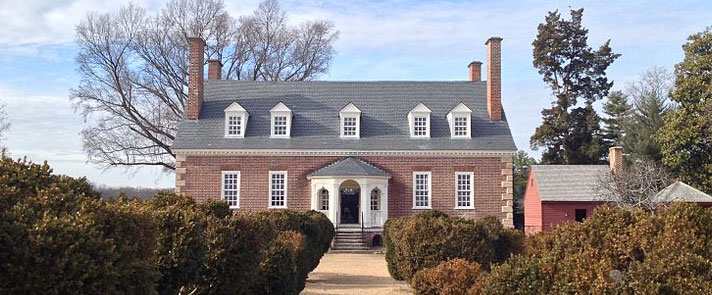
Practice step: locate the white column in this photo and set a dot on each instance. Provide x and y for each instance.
(366, 188)
(384, 202)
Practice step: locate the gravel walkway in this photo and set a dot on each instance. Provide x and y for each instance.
(362, 274)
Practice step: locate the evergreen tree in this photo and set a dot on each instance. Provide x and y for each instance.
(522, 165)
(650, 104)
(571, 133)
(618, 112)
(686, 137)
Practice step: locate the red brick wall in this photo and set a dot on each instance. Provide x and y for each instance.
(494, 78)
(532, 206)
(203, 176)
(196, 70)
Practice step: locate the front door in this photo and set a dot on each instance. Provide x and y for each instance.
(350, 206)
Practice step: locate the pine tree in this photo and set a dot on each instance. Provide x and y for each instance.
(650, 104)
(571, 133)
(618, 112)
(686, 137)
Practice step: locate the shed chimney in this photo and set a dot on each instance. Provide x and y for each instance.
(214, 69)
(615, 159)
(494, 78)
(475, 71)
(196, 49)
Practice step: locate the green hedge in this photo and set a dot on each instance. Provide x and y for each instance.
(614, 252)
(430, 238)
(58, 237)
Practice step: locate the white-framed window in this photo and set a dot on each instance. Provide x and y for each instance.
(280, 121)
(323, 199)
(235, 120)
(420, 126)
(234, 125)
(422, 187)
(349, 127)
(464, 192)
(277, 189)
(460, 128)
(350, 118)
(231, 188)
(419, 121)
(279, 126)
(375, 199)
(459, 120)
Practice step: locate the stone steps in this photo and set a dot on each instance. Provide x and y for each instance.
(349, 238)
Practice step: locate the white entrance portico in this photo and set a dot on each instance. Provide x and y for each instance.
(351, 191)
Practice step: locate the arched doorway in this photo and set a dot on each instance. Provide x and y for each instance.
(350, 194)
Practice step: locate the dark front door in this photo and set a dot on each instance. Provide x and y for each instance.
(349, 206)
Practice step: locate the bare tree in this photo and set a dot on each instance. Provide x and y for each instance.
(636, 187)
(134, 69)
(4, 121)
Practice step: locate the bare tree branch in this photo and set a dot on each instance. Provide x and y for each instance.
(134, 69)
(636, 187)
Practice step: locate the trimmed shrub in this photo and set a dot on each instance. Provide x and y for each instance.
(234, 248)
(56, 237)
(427, 239)
(216, 208)
(316, 228)
(181, 248)
(453, 277)
(278, 270)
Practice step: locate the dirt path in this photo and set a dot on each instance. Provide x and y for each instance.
(362, 274)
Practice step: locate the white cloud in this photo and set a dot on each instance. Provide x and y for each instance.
(45, 127)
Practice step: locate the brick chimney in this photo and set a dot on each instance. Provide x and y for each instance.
(214, 69)
(494, 78)
(196, 49)
(475, 71)
(615, 159)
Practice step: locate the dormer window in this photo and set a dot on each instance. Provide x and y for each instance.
(235, 120)
(350, 117)
(281, 118)
(459, 119)
(419, 121)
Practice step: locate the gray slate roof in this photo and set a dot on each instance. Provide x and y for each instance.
(316, 104)
(350, 167)
(681, 192)
(569, 182)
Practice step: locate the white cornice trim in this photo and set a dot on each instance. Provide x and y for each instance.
(341, 153)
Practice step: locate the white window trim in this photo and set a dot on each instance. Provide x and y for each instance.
(243, 122)
(320, 199)
(272, 126)
(286, 185)
(280, 110)
(468, 126)
(370, 199)
(222, 187)
(419, 110)
(358, 125)
(430, 190)
(472, 190)
(460, 111)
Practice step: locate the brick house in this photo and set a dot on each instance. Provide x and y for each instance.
(557, 194)
(360, 152)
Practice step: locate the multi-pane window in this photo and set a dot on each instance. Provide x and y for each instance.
(234, 125)
(463, 189)
(376, 199)
(349, 126)
(421, 189)
(420, 126)
(231, 188)
(278, 189)
(323, 199)
(279, 126)
(460, 126)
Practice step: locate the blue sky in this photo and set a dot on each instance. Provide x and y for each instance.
(379, 40)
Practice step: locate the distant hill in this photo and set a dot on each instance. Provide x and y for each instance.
(109, 192)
